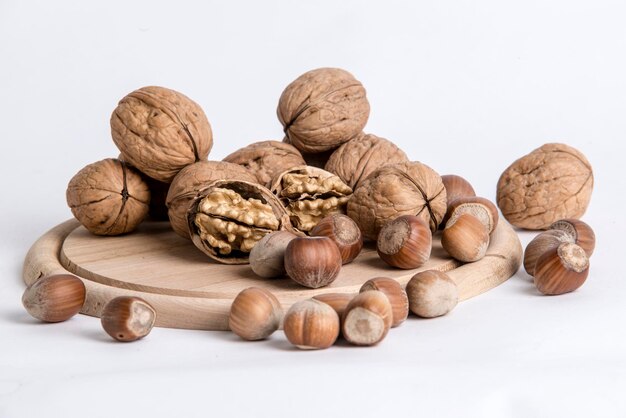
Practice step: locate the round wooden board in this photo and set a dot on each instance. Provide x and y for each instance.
(188, 290)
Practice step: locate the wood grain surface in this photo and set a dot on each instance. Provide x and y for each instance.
(188, 290)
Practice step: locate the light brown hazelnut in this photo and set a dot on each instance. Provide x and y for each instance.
(479, 207)
(396, 295)
(344, 232)
(540, 244)
(128, 318)
(465, 238)
(456, 187)
(367, 318)
(311, 324)
(255, 314)
(54, 298)
(432, 293)
(405, 242)
(312, 261)
(562, 269)
(581, 233)
(338, 301)
(267, 257)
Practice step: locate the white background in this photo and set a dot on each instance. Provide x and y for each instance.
(464, 86)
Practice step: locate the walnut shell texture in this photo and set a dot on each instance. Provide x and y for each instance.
(266, 159)
(310, 194)
(553, 182)
(409, 188)
(160, 131)
(108, 197)
(322, 109)
(227, 218)
(355, 160)
(193, 178)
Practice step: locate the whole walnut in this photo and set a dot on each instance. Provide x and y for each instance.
(190, 180)
(322, 109)
(409, 188)
(266, 159)
(355, 160)
(160, 131)
(108, 197)
(553, 182)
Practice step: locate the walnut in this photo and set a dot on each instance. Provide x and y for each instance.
(409, 188)
(108, 197)
(316, 159)
(160, 131)
(322, 109)
(310, 194)
(227, 218)
(266, 159)
(190, 180)
(355, 160)
(553, 182)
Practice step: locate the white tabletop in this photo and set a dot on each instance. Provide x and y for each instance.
(466, 87)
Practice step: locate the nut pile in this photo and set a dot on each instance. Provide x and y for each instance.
(303, 207)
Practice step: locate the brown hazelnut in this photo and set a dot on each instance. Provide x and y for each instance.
(581, 233)
(410, 188)
(540, 244)
(128, 318)
(479, 207)
(54, 298)
(396, 295)
(312, 261)
(108, 197)
(322, 109)
(190, 180)
(465, 238)
(405, 242)
(562, 269)
(266, 159)
(267, 257)
(160, 131)
(456, 187)
(338, 301)
(344, 232)
(432, 293)
(367, 318)
(311, 324)
(254, 314)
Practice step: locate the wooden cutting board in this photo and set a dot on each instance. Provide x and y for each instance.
(188, 290)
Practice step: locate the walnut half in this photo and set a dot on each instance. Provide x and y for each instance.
(227, 218)
(310, 194)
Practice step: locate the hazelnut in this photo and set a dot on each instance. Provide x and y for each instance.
(55, 298)
(479, 207)
(432, 293)
(311, 324)
(338, 301)
(540, 244)
(255, 314)
(456, 187)
(267, 257)
(562, 269)
(396, 295)
(405, 242)
(128, 318)
(344, 232)
(312, 261)
(581, 233)
(465, 238)
(367, 318)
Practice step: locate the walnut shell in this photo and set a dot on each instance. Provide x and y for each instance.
(409, 188)
(227, 218)
(316, 159)
(108, 197)
(355, 160)
(322, 109)
(160, 131)
(553, 182)
(266, 159)
(310, 194)
(190, 180)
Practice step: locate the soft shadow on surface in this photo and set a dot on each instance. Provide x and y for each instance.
(20, 316)
(100, 336)
(272, 341)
